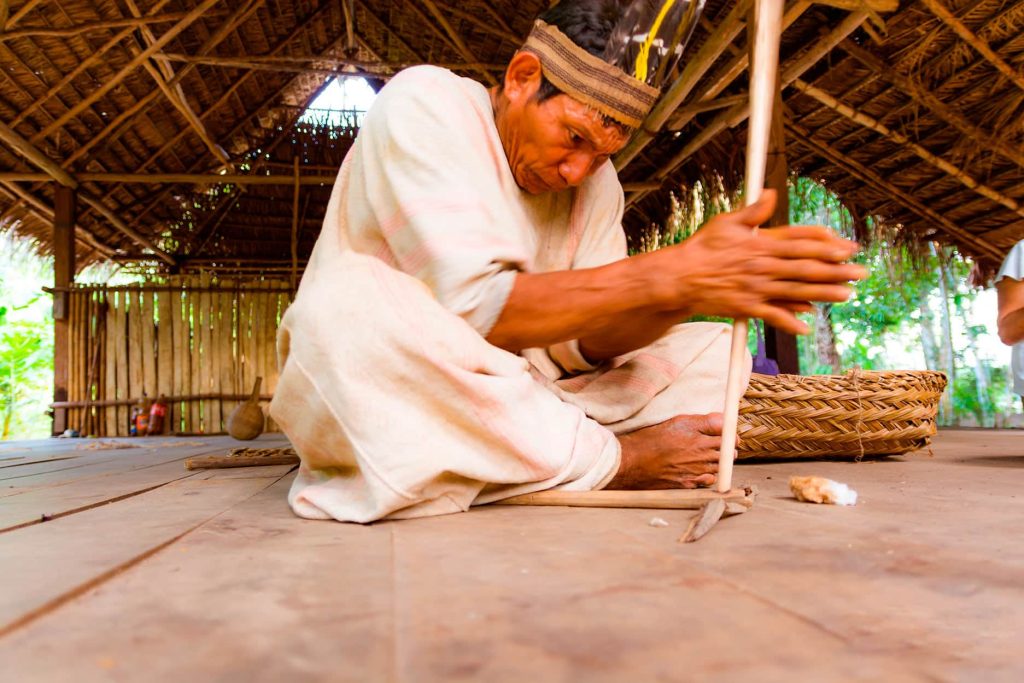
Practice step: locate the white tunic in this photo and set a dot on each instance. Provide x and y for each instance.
(396, 404)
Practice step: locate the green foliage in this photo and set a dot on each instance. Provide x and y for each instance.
(26, 342)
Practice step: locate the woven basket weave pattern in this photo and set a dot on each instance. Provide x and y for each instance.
(853, 415)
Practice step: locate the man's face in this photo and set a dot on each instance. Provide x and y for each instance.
(558, 143)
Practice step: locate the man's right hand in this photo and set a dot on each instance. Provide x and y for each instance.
(728, 269)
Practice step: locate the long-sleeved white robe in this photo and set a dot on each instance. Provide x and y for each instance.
(396, 404)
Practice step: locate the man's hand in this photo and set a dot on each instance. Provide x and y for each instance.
(727, 269)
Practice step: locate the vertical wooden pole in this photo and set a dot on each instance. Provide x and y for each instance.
(779, 345)
(63, 278)
(295, 228)
(764, 68)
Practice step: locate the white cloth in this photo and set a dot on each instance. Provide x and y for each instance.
(1013, 268)
(392, 397)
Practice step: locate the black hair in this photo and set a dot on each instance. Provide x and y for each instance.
(588, 23)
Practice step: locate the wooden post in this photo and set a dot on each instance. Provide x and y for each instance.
(779, 346)
(63, 278)
(295, 228)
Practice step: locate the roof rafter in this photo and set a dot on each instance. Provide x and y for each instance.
(898, 138)
(738, 113)
(974, 40)
(127, 69)
(904, 198)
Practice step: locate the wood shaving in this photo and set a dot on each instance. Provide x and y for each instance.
(821, 490)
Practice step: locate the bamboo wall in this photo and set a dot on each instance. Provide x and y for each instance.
(199, 342)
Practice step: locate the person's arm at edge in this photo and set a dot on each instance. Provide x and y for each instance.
(1010, 294)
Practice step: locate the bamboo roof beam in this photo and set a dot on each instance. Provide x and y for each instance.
(20, 14)
(243, 121)
(695, 68)
(454, 38)
(79, 69)
(923, 97)
(171, 33)
(901, 196)
(1008, 234)
(489, 28)
(875, 74)
(37, 158)
(500, 20)
(113, 130)
(92, 27)
(172, 178)
(738, 113)
(975, 41)
(293, 64)
(386, 28)
(735, 68)
(162, 74)
(45, 213)
(898, 138)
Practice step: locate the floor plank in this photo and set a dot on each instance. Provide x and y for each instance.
(52, 561)
(922, 580)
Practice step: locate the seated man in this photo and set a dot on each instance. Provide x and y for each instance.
(469, 328)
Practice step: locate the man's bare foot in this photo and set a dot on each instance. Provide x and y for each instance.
(679, 453)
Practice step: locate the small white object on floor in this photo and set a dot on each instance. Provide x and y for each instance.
(657, 521)
(821, 490)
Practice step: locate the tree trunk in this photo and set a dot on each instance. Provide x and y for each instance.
(946, 354)
(931, 352)
(825, 338)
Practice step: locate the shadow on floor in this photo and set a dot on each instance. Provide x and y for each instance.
(993, 461)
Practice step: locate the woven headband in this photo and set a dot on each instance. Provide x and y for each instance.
(588, 78)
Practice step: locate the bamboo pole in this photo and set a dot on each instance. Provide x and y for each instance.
(763, 85)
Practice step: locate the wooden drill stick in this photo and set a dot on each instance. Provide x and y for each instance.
(764, 69)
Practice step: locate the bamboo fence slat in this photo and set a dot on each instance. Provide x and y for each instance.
(164, 341)
(149, 351)
(136, 352)
(179, 351)
(109, 371)
(195, 361)
(213, 367)
(121, 362)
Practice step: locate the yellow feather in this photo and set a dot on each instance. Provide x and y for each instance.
(640, 73)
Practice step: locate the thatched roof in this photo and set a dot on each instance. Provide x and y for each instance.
(914, 117)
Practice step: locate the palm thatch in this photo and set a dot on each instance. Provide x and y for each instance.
(913, 115)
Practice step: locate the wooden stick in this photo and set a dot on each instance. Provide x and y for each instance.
(669, 499)
(224, 461)
(763, 82)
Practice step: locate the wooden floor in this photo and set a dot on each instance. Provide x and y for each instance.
(144, 571)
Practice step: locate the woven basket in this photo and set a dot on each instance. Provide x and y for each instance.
(857, 414)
